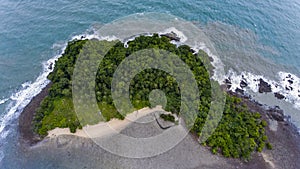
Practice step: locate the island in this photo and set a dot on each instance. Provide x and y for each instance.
(241, 132)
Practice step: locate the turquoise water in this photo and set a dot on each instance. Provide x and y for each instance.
(32, 32)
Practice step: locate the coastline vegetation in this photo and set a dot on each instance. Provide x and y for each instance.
(239, 133)
(168, 117)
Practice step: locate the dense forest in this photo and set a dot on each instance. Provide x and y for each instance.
(239, 133)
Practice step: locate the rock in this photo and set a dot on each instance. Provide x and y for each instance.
(172, 36)
(192, 50)
(276, 114)
(50, 66)
(243, 84)
(264, 87)
(229, 86)
(240, 91)
(228, 83)
(279, 96)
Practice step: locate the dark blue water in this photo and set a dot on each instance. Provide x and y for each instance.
(32, 32)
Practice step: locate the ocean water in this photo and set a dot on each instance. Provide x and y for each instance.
(255, 39)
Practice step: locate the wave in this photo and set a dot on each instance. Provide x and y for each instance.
(218, 74)
(287, 84)
(2, 101)
(28, 90)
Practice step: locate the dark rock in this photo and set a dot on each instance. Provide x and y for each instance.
(264, 87)
(279, 96)
(290, 81)
(172, 36)
(243, 84)
(288, 88)
(276, 114)
(228, 83)
(229, 86)
(240, 91)
(192, 50)
(50, 66)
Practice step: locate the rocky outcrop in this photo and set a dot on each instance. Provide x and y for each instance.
(228, 83)
(276, 114)
(243, 84)
(279, 96)
(50, 66)
(172, 36)
(240, 91)
(264, 87)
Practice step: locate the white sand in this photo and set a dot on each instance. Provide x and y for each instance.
(105, 128)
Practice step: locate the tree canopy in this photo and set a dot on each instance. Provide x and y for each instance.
(239, 133)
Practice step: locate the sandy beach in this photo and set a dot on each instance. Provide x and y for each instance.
(101, 129)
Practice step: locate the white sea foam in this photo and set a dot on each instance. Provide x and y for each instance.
(290, 87)
(28, 89)
(216, 63)
(125, 41)
(178, 33)
(94, 36)
(2, 101)
(287, 84)
(27, 92)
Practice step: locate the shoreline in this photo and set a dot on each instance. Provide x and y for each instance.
(27, 134)
(105, 128)
(281, 133)
(284, 138)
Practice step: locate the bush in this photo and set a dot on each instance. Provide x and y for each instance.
(168, 117)
(269, 146)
